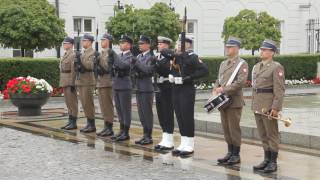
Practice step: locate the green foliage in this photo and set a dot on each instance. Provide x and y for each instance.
(47, 69)
(158, 20)
(30, 25)
(252, 28)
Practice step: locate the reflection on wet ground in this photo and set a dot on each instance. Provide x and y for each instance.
(99, 158)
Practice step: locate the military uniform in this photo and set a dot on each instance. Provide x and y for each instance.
(143, 71)
(164, 104)
(104, 86)
(86, 84)
(122, 87)
(67, 81)
(231, 115)
(268, 92)
(183, 95)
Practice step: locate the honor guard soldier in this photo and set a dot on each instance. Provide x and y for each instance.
(67, 81)
(122, 87)
(143, 70)
(268, 92)
(86, 83)
(186, 68)
(233, 74)
(104, 85)
(164, 103)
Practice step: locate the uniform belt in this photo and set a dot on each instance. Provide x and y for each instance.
(259, 90)
(65, 71)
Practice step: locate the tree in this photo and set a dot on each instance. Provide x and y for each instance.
(30, 25)
(252, 28)
(158, 20)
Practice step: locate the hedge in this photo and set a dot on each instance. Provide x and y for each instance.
(296, 67)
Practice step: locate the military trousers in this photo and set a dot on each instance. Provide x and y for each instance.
(164, 106)
(87, 101)
(230, 120)
(183, 104)
(71, 100)
(144, 104)
(269, 132)
(122, 100)
(106, 103)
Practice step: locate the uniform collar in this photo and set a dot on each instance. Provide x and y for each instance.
(144, 53)
(125, 52)
(234, 59)
(266, 62)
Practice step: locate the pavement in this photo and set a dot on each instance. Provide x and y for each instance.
(38, 149)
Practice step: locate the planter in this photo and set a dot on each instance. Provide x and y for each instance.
(29, 104)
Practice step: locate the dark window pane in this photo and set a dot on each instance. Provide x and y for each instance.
(77, 25)
(190, 27)
(87, 25)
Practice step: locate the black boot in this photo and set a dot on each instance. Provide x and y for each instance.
(227, 156)
(91, 127)
(264, 163)
(235, 157)
(73, 124)
(272, 165)
(125, 135)
(114, 137)
(107, 131)
(147, 138)
(68, 123)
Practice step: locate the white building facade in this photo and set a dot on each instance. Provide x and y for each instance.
(205, 21)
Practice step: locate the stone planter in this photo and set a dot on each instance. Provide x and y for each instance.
(29, 104)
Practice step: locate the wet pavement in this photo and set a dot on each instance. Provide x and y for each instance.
(38, 149)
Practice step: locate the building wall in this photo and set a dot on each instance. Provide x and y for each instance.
(208, 16)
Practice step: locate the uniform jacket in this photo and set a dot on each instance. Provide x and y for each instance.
(87, 78)
(123, 64)
(67, 74)
(105, 80)
(144, 69)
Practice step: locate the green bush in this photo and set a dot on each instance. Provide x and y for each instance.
(47, 69)
(296, 67)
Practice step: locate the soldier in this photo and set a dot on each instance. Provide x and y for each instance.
(122, 88)
(268, 92)
(143, 70)
(86, 83)
(164, 103)
(186, 68)
(231, 114)
(104, 85)
(67, 80)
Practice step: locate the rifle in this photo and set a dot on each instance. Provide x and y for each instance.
(77, 63)
(155, 74)
(96, 61)
(178, 59)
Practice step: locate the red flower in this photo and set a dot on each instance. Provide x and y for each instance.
(25, 88)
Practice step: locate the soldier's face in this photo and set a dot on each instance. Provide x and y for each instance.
(124, 46)
(162, 46)
(266, 54)
(144, 47)
(86, 44)
(67, 46)
(104, 43)
(232, 51)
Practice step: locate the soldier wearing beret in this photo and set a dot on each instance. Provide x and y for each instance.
(231, 114)
(268, 92)
(67, 81)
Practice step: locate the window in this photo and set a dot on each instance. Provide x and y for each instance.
(77, 24)
(17, 53)
(83, 24)
(88, 25)
(190, 27)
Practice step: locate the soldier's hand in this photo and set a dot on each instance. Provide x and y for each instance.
(167, 53)
(73, 89)
(274, 113)
(219, 90)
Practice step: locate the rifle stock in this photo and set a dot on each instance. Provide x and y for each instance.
(96, 56)
(78, 58)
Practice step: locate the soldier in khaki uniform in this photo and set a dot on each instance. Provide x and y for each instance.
(104, 85)
(268, 92)
(231, 115)
(67, 80)
(86, 83)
